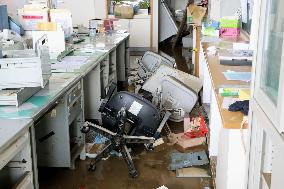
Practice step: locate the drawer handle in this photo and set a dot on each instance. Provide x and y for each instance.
(42, 139)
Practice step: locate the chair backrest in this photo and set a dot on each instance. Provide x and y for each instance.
(143, 118)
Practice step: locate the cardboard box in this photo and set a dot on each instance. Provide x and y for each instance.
(195, 14)
(230, 22)
(46, 26)
(29, 18)
(124, 11)
(230, 32)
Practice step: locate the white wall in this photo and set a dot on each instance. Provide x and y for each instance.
(82, 10)
(220, 8)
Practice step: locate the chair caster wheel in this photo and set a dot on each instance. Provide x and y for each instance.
(92, 168)
(85, 129)
(133, 174)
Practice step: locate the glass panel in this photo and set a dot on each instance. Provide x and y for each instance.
(272, 48)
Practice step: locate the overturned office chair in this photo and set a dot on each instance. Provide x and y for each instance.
(127, 118)
(150, 62)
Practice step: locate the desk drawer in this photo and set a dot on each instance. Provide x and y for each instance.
(74, 110)
(74, 93)
(14, 149)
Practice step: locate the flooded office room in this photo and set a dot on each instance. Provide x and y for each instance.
(141, 94)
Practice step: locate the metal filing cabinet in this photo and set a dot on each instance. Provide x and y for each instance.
(59, 140)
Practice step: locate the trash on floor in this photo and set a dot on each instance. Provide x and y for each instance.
(94, 143)
(159, 142)
(162, 187)
(182, 160)
(185, 142)
(195, 127)
(192, 172)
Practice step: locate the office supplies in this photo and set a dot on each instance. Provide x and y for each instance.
(237, 76)
(69, 64)
(230, 22)
(16, 27)
(25, 68)
(236, 62)
(29, 17)
(15, 97)
(56, 41)
(230, 32)
(233, 57)
(11, 40)
(245, 94)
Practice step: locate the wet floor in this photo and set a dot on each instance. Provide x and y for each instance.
(113, 174)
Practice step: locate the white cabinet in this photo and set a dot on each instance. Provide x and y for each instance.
(140, 33)
(122, 24)
(139, 28)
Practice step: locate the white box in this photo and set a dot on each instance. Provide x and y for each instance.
(30, 17)
(25, 68)
(64, 18)
(56, 41)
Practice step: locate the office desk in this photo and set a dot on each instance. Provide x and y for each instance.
(227, 135)
(51, 102)
(16, 163)
(108, 62)
(60, 104)
(41, 102)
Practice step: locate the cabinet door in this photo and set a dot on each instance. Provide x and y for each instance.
(122, 24)
(269, 67)
(140, 32)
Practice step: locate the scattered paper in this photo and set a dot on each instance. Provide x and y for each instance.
(237, 76)
(212, 50)
(70, 63)
(241, 46)
(227, 101)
